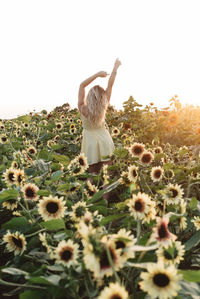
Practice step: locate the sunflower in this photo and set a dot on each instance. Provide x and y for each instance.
(78, 211)
(105, 174)
(156, 173)
(132, 173)
(50, 143)
(139, 205)
(160, 281)
(113, 291)
(9, 176)
(77, 140)
(172, 254)
(183, 220)
(51, 208)
(136, 149)
(82, 161)
(15, 242)
(10, 204)
(43, 240)
(56, 138)
(115, 131)
(96, 258)
(127, 141)
(3, 138)
(169, 174)
(72, 131)
(30, 191)
(90, 189)
(173, 194)
(31, 150)
(72, 126)
(14, 164)
(67, 253)
(59, 126)
(158, 150)
(146, 158)
(196, 222)
(161, 234)
(124, 240)
(19, 176)
(124, 178)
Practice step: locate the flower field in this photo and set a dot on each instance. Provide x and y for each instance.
(132, 231)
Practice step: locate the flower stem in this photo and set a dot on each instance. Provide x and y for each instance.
(111, 264)
(138, 231)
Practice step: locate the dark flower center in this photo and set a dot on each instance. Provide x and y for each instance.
(162, 231)
(30, 192)
(17, 242)
(77, 169)
(157, 173)
(4, 139)
(52, 207)
(91, 192)
(137, 150)
(81, 161)
(157, 150)
(139, 205)
(19, 178)
(174, 192)
(80, 211)
(161, 280)
(11, 176)
(104, 262)
(168, 256)
(31, 151)
(146, 158)
(66, 255)
(120, 244)
(134, 173)
(58, 126)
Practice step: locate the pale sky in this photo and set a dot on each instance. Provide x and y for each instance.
(47, 47)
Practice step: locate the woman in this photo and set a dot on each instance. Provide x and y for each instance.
(96, 141)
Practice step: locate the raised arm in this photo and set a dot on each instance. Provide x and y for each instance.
(81, 93)
(112, 78)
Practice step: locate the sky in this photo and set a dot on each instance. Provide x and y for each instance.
(48, 47)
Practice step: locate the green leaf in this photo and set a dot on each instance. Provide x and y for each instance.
(65, 187)
(193, 203)
(56, 175)
(14, 271)
(190, 275)
(111, 218)
(25, 118)
(32, 295)
(54, 224)
(65, 160)
(53, 279)
(95, 197)
(17, 223)
(43, 192)
(193, 241)
(121, 152)
(8, 194)
(189, 290)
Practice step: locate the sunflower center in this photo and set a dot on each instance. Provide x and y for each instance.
(81, 161)
(17, 242)
(134, 173)
(157, 173)
(137, 150)
(161, 280)
(19, 178)
(52, 207)
(77, 169)
(104, 262)
(91, 192)
(30, 192)
(31, 151)
(11, 176)
(4, 139)
(146, 158)
(162, 231)
(139, 205)
(120, 244)
(80, 211)
(174, 192)
(66, 255)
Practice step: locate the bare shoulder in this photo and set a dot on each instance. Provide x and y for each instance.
(84, 110)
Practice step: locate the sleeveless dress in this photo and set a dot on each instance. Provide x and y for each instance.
(96, 141)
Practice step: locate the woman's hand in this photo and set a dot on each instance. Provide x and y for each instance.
(117, 63)
(102, 74)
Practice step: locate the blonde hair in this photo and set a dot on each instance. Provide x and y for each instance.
(97, 104)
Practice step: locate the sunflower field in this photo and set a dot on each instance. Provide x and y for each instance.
(131, 231)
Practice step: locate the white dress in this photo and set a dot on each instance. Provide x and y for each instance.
(96, 141)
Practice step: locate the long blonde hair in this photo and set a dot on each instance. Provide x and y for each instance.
(97, 104)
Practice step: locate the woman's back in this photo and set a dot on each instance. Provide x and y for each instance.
(89, 125)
